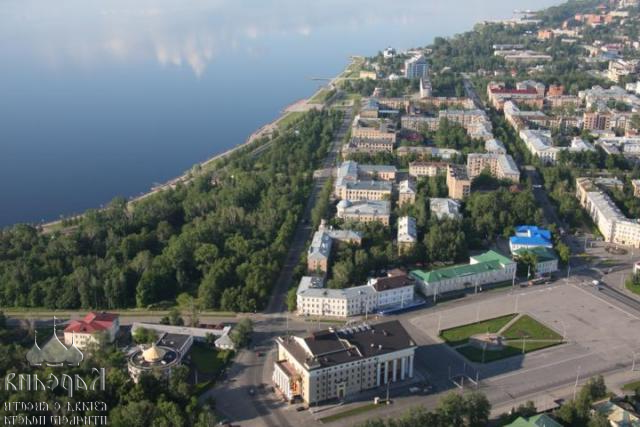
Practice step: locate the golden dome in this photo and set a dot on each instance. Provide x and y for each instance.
(153, 354)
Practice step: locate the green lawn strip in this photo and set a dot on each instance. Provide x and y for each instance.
(632, 386)
(289, 119)
(31, 312)
(460, 334)
(208, 360)
(635, 288)
(321, 96)
(351, 412)
(527, 327)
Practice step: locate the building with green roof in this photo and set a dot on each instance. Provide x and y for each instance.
(540, 420)
(489, 267)
(546, 259)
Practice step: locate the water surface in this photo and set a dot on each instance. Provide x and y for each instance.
(100, 98)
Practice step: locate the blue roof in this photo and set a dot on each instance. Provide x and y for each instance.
(530, 241)
(533, 230)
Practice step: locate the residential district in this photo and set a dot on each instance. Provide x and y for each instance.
(473, 232)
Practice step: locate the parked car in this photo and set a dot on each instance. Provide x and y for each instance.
(300, 408)
(252, 391)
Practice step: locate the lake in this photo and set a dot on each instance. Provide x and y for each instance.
(105, 98)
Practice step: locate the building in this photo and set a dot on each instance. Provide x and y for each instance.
(416, 67)
(618, 413)
(331, 363)
(377, 172)
(319, 251)
(428, 152)
(443, 208)
(528, 93)
(635, 183)
(407, 233)
(94, 327)
(389, 52)
(555, 90)
(540, 420)
(458, 182)
(580, 145)
(596, 120)
(627, 146)
(364, 210)
(546, 259)
(611, 222)
(495, 146)
(420, 169)
(365, 190)
(501, 166)
(426, 88)
(489, 267)
(621, 68)
(598, 97)
(540, 144)
(530, 236)
(406, 192)
(524, 56)
(220, 332)
(367, 128)
(157, 360)
(313, 299)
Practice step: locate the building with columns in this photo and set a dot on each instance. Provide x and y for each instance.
(340, 363)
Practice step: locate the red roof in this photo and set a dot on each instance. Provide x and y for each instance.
(92, 322)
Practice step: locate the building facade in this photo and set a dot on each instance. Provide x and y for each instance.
(340, 363)
(458, 182)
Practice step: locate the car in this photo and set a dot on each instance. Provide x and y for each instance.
(414, 390)
(300, 408)
(252, 391)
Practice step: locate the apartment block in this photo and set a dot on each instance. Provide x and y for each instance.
(458, 181)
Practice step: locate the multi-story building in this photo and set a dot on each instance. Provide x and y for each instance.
(93, 328)
(367, 146)
(487, 268)
(426, 88)
(596, 120)
(611, 222)
(501, 166)
(407, 233)
(529, 93)
(458, 181)
(420, 169)
(365, 190)
(627, 146)
(377, 172)
(416, 67)
(519, 119)
(406, 192)
(443, 208)
(539, 143)
(313, 299)
(319, 251)
(364, 210)
(332, 364)
(620, 68)
(598, 96)
(428, 152)
(495, 146)
(363, 128)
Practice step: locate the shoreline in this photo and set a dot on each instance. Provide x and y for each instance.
(302, 105)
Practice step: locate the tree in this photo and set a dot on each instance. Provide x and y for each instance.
(477, 409)
(191, 307)
(144, 336)
(292, 299)
(241, 333)
(452, 409)
(564, 252)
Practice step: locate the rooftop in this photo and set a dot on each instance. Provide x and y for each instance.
(488, 261)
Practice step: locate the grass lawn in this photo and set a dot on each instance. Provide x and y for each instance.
(633, 287)
(321, 96)
(528, 327)
(632, 386)
(351, 412)
(525, 331)
(460, 334)
(289, 119)
(208, 360)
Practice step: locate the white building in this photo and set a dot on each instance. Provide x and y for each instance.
(313, 299)
(416, 67)
(365, 211)
(444, 208)
(495, 146)
(611, 222)
(340, 363)
(406, 192)
(407, 233)
(539, 143)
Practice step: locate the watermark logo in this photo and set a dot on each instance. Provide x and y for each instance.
(54, 353)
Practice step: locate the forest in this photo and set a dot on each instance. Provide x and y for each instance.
(220, 238)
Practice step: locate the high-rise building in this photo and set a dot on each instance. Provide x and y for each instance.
(416, 67)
